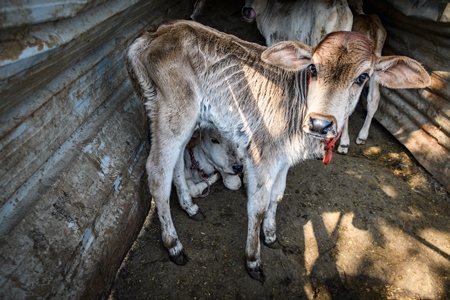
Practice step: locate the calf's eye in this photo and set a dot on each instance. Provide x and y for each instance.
(361, 79)
(214, 141)
(313, 70)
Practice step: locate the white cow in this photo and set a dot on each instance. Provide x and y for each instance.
(303, 21)
(282, 104)
(210, 157)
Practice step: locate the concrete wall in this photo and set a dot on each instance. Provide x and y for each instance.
(72, 143)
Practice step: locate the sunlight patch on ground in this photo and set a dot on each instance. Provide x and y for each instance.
(411, 263)
(330, 220)
(311, 247)
(403, 166)
(439, 239)
(413, 214)
(372, 151)
(389, 190)
(405, 264)
(353, 173)
(353, 250)
(309, 290)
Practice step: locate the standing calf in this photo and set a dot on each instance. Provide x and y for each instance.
(307, 22)
(370, 26)
(282, 104)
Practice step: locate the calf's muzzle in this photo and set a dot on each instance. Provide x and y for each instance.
(237, 169)
(321, 126)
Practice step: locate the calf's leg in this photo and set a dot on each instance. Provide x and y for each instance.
(171, 131)
(373, 100)
(160, 172)
(258, 190)
(344, 141)
(269, 223)
(196, 189)
(183, 192)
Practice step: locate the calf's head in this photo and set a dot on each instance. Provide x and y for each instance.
(338, 68)
(224, 155)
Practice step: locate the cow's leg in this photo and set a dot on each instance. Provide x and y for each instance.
(269, 223)
(258, 190)
(160, 168)
(170, 130)
(183, 192)
(373, 100)
(231, 182)
(196, 189)
(345, 140)
(213, 178)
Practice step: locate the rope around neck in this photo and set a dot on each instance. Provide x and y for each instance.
(329, 146)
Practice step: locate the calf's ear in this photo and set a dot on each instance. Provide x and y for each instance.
(401, 72)
(289, 55)
(194, 140)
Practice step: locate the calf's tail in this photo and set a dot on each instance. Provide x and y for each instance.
(143, 85)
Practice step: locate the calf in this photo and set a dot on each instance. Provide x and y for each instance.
(370, 26)
(281, 104)
(209, 158)
(304, 21)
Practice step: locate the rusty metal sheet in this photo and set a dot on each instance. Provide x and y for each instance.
(28, 12)
(72, 144)
(32, 56)
(419, 119)
(433, 10)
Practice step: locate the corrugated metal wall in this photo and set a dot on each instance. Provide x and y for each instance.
(72, 143)
(73, 147)
(419, 119)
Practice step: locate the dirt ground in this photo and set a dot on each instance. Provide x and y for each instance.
(371, 225)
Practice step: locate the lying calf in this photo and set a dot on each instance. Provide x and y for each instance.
(208, 157)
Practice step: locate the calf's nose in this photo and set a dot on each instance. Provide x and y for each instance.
(237, 169)
(320, 126)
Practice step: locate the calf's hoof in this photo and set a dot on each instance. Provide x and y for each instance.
(342, 149)
(180, 259)
(360, 141)
(256, 273)
(274, 245)
(199, 216)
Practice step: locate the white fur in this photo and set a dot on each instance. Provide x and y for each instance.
(216, 157)
(303, 21)
(190, 75)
